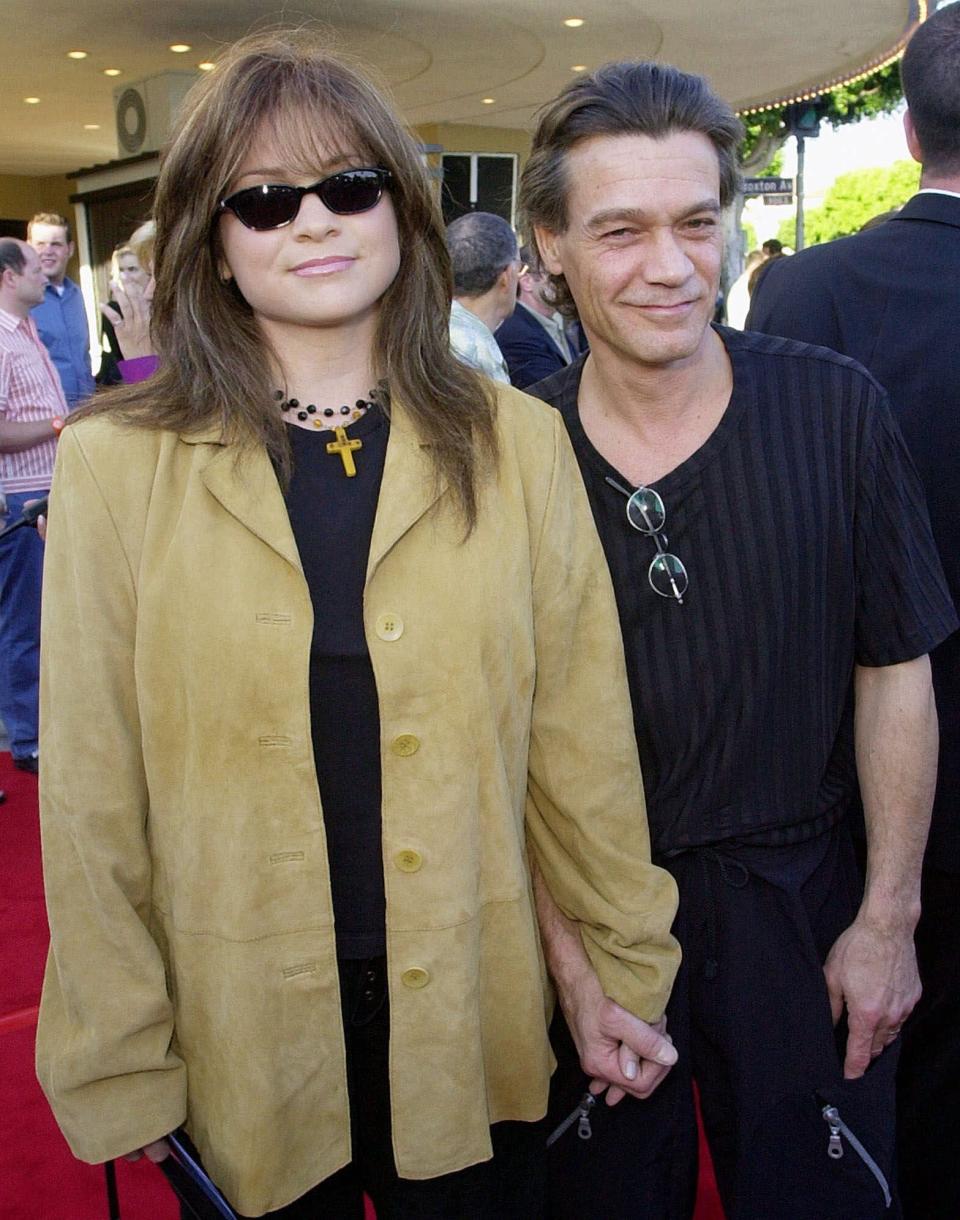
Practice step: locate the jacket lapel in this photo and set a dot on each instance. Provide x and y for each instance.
(246, 486)
(408, 489)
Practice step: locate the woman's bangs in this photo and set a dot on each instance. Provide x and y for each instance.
(311, 136)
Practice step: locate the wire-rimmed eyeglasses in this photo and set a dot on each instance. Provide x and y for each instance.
(646, 513)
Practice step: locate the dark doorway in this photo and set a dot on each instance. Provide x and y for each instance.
(478, 182)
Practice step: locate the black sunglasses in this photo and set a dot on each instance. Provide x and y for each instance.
(274, 205)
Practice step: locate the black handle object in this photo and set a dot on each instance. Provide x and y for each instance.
(30, 515)
(113, 1198)
(191, 1184)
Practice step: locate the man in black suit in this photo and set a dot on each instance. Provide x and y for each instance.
(534, 340)
(890, 298)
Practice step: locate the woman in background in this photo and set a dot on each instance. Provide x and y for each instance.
(129, 280)
(328, 639)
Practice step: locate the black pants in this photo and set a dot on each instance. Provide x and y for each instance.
(751, 1019)
(508, 1187)
(928, 1081)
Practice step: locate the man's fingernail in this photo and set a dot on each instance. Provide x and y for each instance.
(667, 1056)
(630, 1071)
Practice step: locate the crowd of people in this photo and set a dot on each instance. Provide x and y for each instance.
(477, 769)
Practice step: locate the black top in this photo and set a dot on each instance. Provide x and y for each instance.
(109, 373)
(332, 518)
(802, 526)
(890, 298)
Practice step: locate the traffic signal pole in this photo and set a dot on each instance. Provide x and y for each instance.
(802, 120)
(800, 153)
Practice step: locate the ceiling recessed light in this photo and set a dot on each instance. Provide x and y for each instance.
(91, 127)
(578, 67)
(179, 48)
(206, 66)
(111, 72)
(573, 23)
(488, 101)
(76, 55)
(31, 101)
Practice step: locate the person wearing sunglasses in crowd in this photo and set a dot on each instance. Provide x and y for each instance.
(328, 641)
(779, 590)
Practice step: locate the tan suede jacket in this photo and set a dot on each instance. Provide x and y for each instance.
(192, 975)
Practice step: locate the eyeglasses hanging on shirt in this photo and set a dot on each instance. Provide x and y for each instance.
(646, 513)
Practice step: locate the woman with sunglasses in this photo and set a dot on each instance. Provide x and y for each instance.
(328, 638)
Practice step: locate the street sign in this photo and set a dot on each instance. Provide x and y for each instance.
(777, 200)
(768, 186)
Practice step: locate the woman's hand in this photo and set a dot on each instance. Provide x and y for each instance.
(132, 323)
(158, 1151)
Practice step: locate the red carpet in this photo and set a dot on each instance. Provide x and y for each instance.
(39, 1179)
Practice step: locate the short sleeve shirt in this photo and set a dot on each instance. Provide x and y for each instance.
(30, 391)
(802, 525)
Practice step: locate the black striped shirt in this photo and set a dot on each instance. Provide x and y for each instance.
(803, 528)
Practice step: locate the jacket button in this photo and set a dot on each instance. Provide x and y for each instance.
(389, 626)
(408, 860)
(415, 978)
(405, 745)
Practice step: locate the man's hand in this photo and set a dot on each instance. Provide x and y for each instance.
(158, 1151)
(872, 971)
(872, 968)
(133, 327)
(616, 1048)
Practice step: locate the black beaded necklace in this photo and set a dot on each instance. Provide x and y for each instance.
(360, 407)
(343, 446)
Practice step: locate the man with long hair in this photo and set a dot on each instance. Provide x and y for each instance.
(778, 590)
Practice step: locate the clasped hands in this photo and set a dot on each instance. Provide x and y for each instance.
(618, 1051)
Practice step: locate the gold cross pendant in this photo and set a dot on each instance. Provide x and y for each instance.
(344, 446)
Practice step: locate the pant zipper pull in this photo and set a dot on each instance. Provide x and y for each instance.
(838, 1127)
(580, 1116)
(583, 1126)
(831, 1116)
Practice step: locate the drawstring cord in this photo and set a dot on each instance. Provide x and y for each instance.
(732, 872)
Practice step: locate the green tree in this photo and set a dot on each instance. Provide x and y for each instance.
(775, 168)
(878, 93)
(765, 134)
(854, 199)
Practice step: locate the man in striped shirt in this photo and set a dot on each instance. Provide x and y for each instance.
(32, 407)
(779, 591)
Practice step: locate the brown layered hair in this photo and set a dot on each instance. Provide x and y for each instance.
(213, 365)
(628, 98)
